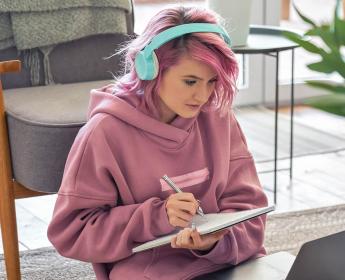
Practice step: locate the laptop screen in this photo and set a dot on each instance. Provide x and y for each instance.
(320, 259)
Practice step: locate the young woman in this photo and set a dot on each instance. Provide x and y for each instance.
(170, 113)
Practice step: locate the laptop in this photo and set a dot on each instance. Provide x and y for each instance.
(320, 259)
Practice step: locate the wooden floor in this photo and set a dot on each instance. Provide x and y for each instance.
(318, 180)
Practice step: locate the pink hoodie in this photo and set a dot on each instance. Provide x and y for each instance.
(112, 199)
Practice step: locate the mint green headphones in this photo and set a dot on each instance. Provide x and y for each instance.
(146, 62)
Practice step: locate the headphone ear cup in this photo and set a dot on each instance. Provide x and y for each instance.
(140, 65)
(155, 66)
(146, 66)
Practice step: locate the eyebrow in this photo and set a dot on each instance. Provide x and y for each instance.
(196, 77)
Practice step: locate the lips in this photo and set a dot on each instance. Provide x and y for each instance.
(194, 107)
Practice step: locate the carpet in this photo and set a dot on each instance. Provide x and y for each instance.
(284, 232)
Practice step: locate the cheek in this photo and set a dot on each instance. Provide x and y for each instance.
(212, 88)
(180, 87)
(181, 92)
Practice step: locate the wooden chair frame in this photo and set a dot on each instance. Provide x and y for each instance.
(10, 190)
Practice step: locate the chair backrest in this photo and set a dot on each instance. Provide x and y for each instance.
(43, 131)
(67, 59)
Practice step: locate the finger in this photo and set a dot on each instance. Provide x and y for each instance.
(184, 215)
(177, 207)
(179, 214)
(185, 196)
(200, 240)
(220, 234)
(177, 222)
(179, 240)
(173, 242)
(197, 241)
(189, 207)
(186, 238)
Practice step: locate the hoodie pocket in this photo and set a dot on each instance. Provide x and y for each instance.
(169, 264)
(187, 180)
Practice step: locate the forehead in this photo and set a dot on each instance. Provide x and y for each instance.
(187, 65)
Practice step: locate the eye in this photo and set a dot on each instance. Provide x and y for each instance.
(214, 81)
(189, 82)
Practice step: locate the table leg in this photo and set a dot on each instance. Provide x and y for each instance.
(276, 127)
(292, 110)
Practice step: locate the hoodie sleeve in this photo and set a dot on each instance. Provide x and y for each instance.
(243, 192)
(88, 223)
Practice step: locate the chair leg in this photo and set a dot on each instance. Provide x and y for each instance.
(8, 224)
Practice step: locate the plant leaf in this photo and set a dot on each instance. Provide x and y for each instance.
(302, 42)
(338, 25)
(334, 104)
(303, 17)
(334, 88)
(325, 33)
(335, 60)
(339, 31)
(321, 66)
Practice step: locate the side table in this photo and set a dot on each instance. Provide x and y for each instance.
(270, 41)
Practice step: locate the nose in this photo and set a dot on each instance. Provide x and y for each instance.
(202, 94)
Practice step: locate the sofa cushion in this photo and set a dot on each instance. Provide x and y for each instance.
(42, 124)
(22, 78)
(84, 59)
(76, 61)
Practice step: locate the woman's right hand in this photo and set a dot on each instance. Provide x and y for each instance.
(181, 207)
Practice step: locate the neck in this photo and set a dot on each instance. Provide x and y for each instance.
(166, 114)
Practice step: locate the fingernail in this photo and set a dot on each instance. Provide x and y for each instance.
(193, 226)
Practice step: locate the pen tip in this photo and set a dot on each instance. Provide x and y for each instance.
(200, 212)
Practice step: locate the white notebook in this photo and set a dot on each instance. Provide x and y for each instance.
(208, 224)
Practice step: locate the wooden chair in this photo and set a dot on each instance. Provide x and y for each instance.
(35, 133)
(9, 188)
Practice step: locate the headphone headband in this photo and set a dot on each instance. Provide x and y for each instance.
(180, 30)
(146, 63)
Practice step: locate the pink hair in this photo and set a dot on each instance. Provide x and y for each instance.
(208, 48)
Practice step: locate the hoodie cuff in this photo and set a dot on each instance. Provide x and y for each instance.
(164, 227)
(207, 254)
(219, 254)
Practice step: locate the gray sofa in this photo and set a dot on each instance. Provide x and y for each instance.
(43, 120)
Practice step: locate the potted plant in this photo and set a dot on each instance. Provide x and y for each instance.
(331, 56)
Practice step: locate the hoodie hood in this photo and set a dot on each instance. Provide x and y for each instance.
(132, 109)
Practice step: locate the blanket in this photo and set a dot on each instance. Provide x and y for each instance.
(36, 26)
(35, 23)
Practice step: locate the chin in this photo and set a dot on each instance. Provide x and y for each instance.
(189, 115)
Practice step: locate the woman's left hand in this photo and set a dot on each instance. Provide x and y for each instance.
(191, 239)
